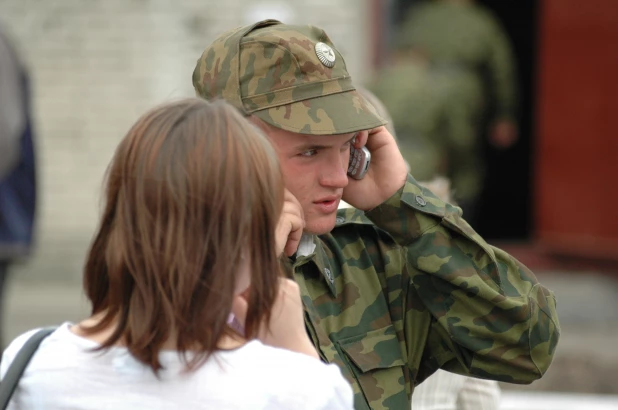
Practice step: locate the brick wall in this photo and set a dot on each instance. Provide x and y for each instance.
(96, 65)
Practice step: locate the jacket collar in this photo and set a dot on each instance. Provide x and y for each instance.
(311, 250)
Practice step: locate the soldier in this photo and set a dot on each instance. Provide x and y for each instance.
(401, 285)
(469, 59)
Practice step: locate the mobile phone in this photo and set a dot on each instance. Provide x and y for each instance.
(359, 162)
(235, 324)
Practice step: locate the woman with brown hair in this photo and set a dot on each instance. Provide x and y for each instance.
(188, 235)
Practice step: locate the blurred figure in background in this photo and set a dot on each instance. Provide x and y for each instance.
(412, 96)
(461, 74)
(450, 391)
(442, 390)
(17, 165)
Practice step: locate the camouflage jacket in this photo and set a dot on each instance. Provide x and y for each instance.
(408, 287)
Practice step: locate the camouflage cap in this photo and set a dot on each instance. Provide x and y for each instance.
(291, 77)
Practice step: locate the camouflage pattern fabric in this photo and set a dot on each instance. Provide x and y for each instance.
(379, 107)
(272, 71)
(409, 287)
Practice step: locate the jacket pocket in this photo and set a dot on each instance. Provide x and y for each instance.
(377, 364)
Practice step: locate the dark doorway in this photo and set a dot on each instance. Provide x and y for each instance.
(507, 202)
(506, 205)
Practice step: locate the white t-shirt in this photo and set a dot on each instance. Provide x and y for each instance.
(64, 374)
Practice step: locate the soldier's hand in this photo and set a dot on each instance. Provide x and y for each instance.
(290, 226)
(387, 171)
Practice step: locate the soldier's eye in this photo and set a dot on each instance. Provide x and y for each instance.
(309, 153)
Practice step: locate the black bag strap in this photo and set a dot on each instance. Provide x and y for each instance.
(19, 364)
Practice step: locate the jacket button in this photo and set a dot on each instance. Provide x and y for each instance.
(420, 200)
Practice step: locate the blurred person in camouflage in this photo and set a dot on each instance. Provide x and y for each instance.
(459, 48)
(401, 285)
(17, 165)
(412, 96)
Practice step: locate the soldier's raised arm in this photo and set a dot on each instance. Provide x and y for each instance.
(490, 316)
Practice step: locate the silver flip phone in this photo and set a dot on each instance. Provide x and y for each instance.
(359, 162)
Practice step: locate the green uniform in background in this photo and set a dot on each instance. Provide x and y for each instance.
(436, 113)
(461, 77)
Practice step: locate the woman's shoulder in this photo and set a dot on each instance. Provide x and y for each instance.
(8, 355)
(286, 364)
(17, 343)
(299, 379)
(278, 357)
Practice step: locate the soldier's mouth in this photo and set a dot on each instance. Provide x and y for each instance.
(328, 205)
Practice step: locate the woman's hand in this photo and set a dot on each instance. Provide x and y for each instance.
(286, 328)
(290, 226)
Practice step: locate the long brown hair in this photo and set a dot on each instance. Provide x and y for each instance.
(191, 187)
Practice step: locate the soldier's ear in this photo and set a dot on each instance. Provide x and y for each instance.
(258, 124)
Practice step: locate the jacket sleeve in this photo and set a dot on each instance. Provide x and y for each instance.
(491, 318)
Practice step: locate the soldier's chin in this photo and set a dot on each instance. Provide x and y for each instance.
(320, 225)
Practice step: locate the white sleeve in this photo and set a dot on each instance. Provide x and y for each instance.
(11, 351)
